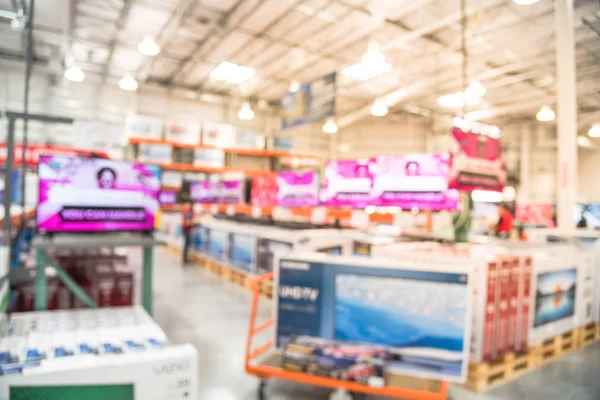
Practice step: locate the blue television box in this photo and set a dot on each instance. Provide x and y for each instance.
(420, 312)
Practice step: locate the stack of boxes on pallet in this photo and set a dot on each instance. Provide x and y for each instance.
(531, 303)
(107, 278)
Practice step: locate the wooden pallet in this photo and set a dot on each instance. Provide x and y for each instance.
(236, 276)
(484, 376)
(266, 289)
(557, 346)
(589, 334)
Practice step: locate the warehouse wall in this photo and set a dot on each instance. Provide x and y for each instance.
(589, 180)
(96, 101)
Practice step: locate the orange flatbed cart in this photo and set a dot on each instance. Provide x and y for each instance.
(342, 389)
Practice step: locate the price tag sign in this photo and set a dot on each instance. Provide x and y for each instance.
(359, 219)
(281, 214)
(318, 215)
(256, 212)
(230, 210)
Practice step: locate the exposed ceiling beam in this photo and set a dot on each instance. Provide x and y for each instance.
(184, 8)
(113, 43)
(196, 54)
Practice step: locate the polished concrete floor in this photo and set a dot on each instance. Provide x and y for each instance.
(195, 306)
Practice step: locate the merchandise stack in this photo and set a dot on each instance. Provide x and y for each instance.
(115, 351)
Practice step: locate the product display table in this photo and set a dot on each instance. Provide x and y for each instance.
(90, 241)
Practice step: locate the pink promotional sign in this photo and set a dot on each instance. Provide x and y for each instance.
(347, 183)
(90, 194)
(204, 192)
(413, 181)
(476, 163)
(297, 189)
(231, 192)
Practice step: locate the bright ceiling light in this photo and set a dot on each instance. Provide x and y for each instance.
(148, 46)
(584, 142)
(453, 100)
(74, 73)
(246, 113)
(475, 89)
(525, 2)
(231, 73)
(372, 64)
(594, 131)
(128, 83)
(294, 86)
(329, 126)
(379, 108)
(545, 114)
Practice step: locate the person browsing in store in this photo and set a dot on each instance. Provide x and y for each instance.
(583, 221)
(187, 223)
(505, 222)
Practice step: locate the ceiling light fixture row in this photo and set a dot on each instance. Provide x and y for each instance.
(148, 46)
(594, 131)
(472, 96)
(330, 126)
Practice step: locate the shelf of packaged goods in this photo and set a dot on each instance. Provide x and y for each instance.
(331, 214)
(230, 150)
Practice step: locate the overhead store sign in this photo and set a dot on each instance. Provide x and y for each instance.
(34, 152)
(314, 101)
(476, 162)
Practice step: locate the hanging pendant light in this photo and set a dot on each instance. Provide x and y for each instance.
(329, 126)
(545, 114)
(379, 109)
(594, 131)
(128, 83)
(148, 46)
(294, 86)
(246, 113)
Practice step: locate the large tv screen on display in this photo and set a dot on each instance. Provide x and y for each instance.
(297, 189)
(204, 192)
(92, 194)
(413, 180)
(347, 183)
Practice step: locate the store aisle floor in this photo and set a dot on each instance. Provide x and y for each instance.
(195, 306)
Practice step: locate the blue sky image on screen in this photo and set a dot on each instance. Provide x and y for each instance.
(217, 240)
(555, 296)
(242, 251)
(423, 320)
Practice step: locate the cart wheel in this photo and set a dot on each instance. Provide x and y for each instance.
(340, 394)
(261, 389)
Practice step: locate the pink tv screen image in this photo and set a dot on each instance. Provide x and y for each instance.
(298, 189)
(204, 192)
(348, 183)
(91, 194)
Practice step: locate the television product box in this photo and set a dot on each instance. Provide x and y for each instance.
(420, 312)
(276, 240)
(264, 190)
(80, 194)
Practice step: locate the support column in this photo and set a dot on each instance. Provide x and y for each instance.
(525, 165)
(566, 99)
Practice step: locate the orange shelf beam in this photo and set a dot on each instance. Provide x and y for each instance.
(230, 150)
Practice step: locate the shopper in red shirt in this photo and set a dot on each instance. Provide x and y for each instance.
(505, 222)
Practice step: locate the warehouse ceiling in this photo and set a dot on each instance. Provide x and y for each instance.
(510, 48)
